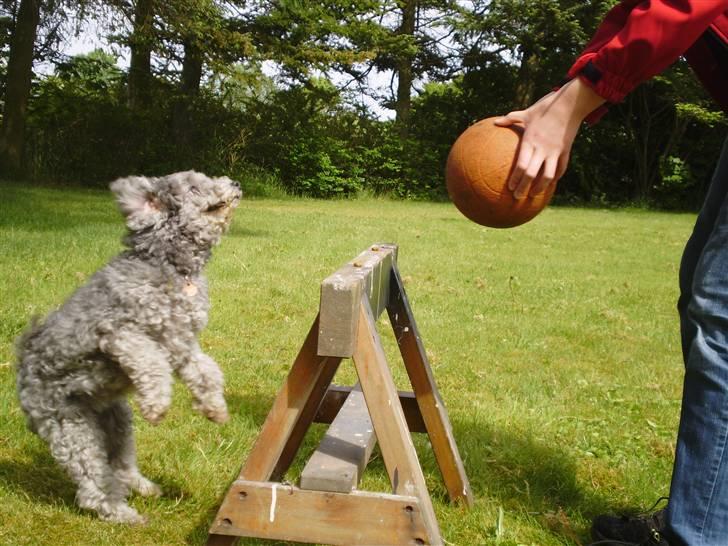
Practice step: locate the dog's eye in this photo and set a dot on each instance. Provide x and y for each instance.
(215, 207)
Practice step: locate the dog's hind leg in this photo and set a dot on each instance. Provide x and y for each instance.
(78, 444)
(116, 422)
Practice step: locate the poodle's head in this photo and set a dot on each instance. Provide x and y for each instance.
(186, 206)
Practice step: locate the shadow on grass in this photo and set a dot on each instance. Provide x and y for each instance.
(529, 477)
(526, 476)
(239, 231)
(39, 478)
(254, 406)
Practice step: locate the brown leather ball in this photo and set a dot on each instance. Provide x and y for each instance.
(477, 172)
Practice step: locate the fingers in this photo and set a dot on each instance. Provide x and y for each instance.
(544, 150)
(535, 170)
(528, 168)
(534, 173)
(562, 165)
(527, 165)
(515, 182)
(548, 176)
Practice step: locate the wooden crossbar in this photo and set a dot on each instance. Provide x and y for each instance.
(282, 512)
(336, 395)
(344, 451)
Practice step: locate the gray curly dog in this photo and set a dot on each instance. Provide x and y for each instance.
(128, 329)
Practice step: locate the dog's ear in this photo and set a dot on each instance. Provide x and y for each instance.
(138, 201)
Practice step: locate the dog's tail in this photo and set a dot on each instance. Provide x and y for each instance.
(26, 339)
(25, 355)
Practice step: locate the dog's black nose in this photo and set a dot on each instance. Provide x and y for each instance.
(235, 183)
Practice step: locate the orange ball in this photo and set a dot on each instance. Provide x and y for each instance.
(477, 172)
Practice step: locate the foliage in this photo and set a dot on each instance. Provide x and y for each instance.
(78, 121)
(655, 124)
(276, 87)
(6, 29)
(304, 38)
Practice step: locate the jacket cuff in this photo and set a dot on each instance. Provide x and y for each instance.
(612, 87)
(609, 86)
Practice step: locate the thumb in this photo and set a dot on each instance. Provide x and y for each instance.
(517, 117)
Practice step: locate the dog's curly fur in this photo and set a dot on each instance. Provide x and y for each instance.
(128, 329)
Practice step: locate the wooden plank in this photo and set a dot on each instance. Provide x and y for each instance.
(281, 512)
(220, 540)
(344, 451)
(340, 298)
(336, 396)
(395, 442)
(342, 291)
(431, 406)
(292, 411)
(288, 420)
(378, 290)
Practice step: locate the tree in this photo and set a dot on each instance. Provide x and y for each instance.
(307, 39)
(405, 72)
(539, 38)
(19, 76)
(413, 46)
(141, 45)
(6, 33)
(208, 38)
(657, 116)
(36, 29)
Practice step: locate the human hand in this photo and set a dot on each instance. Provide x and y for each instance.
(549, 128)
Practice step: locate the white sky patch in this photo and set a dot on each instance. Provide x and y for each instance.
(90, 37)
(87, 38)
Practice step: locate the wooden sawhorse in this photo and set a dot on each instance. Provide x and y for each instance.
(326, 507)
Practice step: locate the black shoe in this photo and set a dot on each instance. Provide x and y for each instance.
(639, 530)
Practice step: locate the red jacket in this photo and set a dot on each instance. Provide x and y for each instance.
(640, 38)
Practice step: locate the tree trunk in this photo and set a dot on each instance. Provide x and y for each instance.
(526, 85)
(19, 77)
(189, 89)
(405, 75)
(650, 142)
(191, 70)
(140, 66)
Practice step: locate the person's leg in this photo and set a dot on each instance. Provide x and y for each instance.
(704, 225)
(642, 528)
(697, 513)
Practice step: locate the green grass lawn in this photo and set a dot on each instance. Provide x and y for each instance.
(554, 345)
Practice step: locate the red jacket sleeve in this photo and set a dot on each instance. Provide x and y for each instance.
(639, 39)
